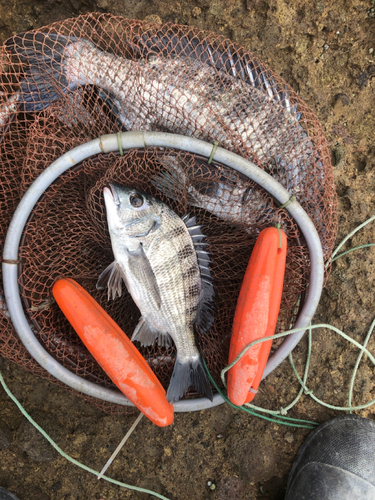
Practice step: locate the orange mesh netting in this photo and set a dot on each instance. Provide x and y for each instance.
(73, 81)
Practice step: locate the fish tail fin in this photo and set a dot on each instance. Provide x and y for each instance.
(44, 81)
(190, 373)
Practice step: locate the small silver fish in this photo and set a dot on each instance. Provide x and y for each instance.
(162, 261)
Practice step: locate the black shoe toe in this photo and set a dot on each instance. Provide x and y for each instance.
(336, 462)
(7, 495)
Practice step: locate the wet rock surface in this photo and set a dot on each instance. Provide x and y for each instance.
(325, 50)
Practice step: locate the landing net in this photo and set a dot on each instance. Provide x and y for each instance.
(73, 81)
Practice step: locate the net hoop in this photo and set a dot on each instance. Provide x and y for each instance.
(134, 140)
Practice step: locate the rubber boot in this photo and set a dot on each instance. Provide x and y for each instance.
(7, 495)
(336, 462)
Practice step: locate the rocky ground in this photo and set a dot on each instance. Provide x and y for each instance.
(325, 50)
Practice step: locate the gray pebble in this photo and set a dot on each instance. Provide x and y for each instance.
(341, 99)
(289, 437)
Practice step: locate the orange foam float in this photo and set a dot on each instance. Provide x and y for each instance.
(256, 314)
(114, 351)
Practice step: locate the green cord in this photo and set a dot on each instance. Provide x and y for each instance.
(349, 236)
(352, 250)
(357, 364)
(291, 200)
(306, 390)
(283, 420)
(69, 458)
(327, 405)
(278, 226)
(214, 148)
(288, 332)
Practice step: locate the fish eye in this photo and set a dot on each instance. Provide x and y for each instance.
(136, 200)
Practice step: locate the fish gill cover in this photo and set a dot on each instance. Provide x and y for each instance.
(75, 80)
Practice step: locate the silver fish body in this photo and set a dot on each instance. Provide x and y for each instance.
(187, 97)
(156, 258)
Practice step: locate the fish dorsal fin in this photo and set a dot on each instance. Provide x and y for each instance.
(205, 314)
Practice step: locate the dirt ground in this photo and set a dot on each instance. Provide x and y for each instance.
(326, 51)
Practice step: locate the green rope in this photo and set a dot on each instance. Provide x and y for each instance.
(304, 387)
(327, 405)
(357, 364)
(278, 226)
(291, 199)
(69, 458)
(281, 419)
(352, 250)
(288, 332)
(283, 411)
(350, 235)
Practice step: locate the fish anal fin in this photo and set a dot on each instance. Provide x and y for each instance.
(146, 335)
(206, 309)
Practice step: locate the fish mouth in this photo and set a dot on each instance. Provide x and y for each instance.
(111, 191)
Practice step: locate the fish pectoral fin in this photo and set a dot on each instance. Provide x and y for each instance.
(141, 269)
(112, 277)
(147, 335)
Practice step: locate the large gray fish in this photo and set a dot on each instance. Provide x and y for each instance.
(190, 87)
(161, 259)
